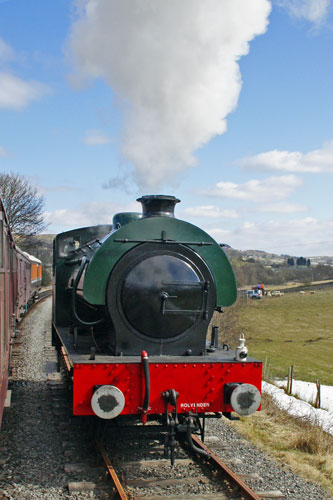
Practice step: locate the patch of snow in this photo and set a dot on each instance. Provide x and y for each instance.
(302, 409)
(307, 391)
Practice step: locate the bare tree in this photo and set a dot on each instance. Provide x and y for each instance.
(24, 206)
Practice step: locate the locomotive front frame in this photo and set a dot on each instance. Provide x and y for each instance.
(202, 383)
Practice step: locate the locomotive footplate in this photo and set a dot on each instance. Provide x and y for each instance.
(200, 381)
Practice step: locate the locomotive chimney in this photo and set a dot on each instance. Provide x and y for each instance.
(158, 205)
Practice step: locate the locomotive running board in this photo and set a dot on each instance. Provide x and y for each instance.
(69, 365)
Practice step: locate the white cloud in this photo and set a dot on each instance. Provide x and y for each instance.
(173, 66)
(96, 138)
(317, 161)
(314, 11)
(16, 93)
(89, 214)
(307, 236)
(211, 211)
(271, 189)
(6, 52)
(283, 208)
(3, 152)
(220, 235)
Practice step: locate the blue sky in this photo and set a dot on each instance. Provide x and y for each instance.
(226, 104)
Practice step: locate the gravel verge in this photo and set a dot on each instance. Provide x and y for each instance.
(250, 460)
(31, 439)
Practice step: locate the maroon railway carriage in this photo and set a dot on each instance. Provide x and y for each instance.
(20, 281)
(28, 279)
(8, 293)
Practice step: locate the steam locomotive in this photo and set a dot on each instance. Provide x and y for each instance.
(132, 305)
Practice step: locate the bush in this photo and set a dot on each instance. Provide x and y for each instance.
(46, 277)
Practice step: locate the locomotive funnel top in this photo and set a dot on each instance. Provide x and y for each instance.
(158, 205)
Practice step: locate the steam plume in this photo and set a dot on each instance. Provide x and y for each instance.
(173, 66)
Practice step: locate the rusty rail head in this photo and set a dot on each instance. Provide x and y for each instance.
(120, 491)
(250, 494)
(68, 363)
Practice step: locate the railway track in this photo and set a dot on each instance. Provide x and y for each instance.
(43, 295)
(126, 462)
(193, 478)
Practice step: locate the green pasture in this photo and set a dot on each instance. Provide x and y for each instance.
(291, 330)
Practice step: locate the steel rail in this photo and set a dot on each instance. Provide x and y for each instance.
(226, 470)
(44, 295)
(120, 490)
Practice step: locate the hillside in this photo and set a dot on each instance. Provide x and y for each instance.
(257, 266)
(270, 259)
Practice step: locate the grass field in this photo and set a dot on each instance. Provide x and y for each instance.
(291, 330)
(282, 331)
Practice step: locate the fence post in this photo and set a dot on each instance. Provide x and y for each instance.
(290, 379)
(318, 397)
(265, 369)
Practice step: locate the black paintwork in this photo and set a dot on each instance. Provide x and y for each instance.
(164, 297)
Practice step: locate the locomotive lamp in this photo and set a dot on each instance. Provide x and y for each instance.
(241, 351)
